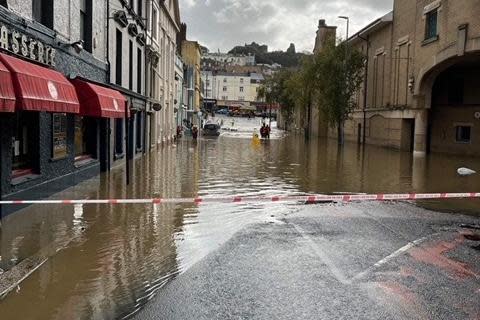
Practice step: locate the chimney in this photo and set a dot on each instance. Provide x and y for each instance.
(324, 35)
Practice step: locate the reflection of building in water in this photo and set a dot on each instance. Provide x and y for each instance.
(123, 252)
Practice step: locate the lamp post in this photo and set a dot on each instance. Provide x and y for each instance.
(346, 39)
(340, 129)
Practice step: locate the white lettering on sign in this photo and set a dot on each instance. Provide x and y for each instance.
(32, 50)
(24, 46)
(40, 56)
(15, 43)
(53, 90)
(4, 37)
(27, 47)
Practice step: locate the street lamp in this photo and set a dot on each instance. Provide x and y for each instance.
(346, 40)
(348, 23)
(345, 66)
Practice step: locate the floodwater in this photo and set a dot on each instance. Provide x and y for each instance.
(106, 262)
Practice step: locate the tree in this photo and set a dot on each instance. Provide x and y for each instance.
(338, 76)
(301, 88)
(275, 90)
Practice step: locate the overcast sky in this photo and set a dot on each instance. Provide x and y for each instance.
(222, 24)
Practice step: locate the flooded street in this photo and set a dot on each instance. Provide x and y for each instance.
(105, 262)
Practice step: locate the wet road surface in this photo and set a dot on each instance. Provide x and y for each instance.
(358, 261)
(106, 262)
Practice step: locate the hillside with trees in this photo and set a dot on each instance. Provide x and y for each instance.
(288, 59)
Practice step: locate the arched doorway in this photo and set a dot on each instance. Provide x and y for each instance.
(454, 120)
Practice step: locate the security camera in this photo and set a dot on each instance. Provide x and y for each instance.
(78, 46)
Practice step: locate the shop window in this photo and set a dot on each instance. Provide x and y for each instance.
(463, 134)
(59, 135)
(138, 127)
(21, 151)
(130, 65)
(152, 129)
(86, 24)
(431, 25)
(139, 70)
(85, 138)
(42, 12)
(118, 58)
(119, 137)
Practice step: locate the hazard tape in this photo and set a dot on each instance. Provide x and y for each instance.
(248, 199)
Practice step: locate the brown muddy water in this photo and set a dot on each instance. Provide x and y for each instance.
(105, 262)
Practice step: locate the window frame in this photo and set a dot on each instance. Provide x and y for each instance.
(429, 27)
(60, 135)
(459, 127)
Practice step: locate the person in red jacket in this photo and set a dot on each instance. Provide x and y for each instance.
(195, 132)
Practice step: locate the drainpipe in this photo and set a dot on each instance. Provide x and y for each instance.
(365, 89)
(108, 121)
(147, 74)
(1, 181)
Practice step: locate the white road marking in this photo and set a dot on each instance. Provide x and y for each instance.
(394, 255)
(17, 283)
(336, 272)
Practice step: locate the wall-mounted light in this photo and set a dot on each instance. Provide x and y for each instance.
(411, 84)
(78, 45)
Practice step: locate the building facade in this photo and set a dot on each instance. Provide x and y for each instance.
(180, 92)
(126, 58)
(228, 88)
(191, 55)
(164, 26)
(423, 72)
(85, 85)
(50, 137)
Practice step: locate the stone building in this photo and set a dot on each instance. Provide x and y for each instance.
(164, 22)
(192, 58)
(126, 57)
(50, 137)
(180, 91)
(423, 72)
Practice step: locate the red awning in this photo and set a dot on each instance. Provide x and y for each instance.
(98, 101)
(40, 89)
(7, 94)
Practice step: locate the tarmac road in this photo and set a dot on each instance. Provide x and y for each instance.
(355, 261)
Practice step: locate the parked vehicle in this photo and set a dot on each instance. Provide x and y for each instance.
(222, 111)
(211, 129)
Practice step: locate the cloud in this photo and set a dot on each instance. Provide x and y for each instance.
(223, 24)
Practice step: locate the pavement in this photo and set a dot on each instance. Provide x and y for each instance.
(352, 261)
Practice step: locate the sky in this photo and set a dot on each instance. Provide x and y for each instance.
(223, 24)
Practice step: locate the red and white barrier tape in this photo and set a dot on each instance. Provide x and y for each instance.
(247, 199)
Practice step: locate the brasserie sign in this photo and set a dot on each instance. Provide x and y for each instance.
(30, 48)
